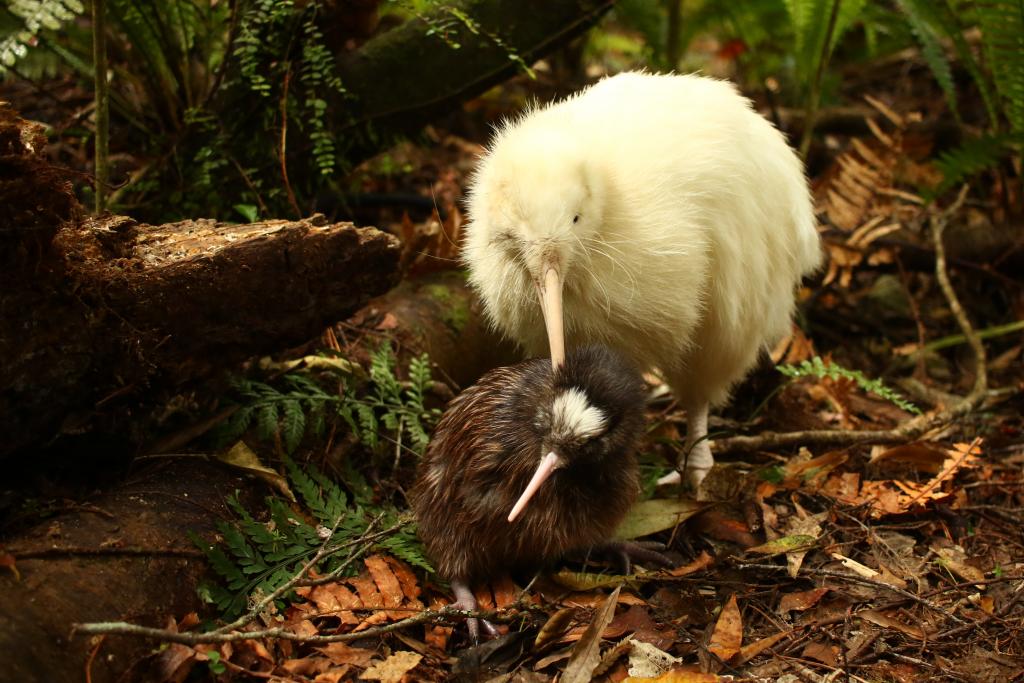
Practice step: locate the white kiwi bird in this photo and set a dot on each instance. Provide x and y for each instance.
(659, 215)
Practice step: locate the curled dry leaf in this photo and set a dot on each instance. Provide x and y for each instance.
(586, 655)
(678, 676)
(885, 621)
(555, 627)
(727, 637)
(751, 650)
(703, 561)
(244, 458)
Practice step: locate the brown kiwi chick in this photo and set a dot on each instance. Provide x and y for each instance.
(530, 464)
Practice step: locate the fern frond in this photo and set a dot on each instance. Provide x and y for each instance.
(1002, 27)
(817, 367)
(921, 15)
(34, 16)
(293, 424)
(972, 157)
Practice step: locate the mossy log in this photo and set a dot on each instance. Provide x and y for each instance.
(104, 315)
(403, 78)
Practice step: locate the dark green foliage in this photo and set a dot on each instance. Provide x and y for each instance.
(280, 42)
(816, 367)
(1002, 29)
(973, 156)
(300, 406)
(255, 558)
(22, 20)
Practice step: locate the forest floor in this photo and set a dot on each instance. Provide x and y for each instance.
(883, 558)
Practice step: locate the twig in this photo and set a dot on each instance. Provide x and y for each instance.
(99, 58)
(427, 616)
(853, 578)
(284, 143)
(911, 429)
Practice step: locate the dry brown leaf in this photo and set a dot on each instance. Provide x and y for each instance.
(7, 560)
(923, 456)
(505, 592)
(393, 668)
(437, 636)
(703, 561)
(342, 653)
(855, 566)
(334, 675)
(955, 559)
(586, 654)
(800, 601)
(244, 458)
(822, 652)
(555, 627)
(727, 638)
(594, 599)
(748, 652)
(387, 583)
(406, 577)
(334, 599)
(885, 621)
(367, 589)
(306, 666)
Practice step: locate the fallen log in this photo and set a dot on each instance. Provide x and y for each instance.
(124, 554)
(105, 315)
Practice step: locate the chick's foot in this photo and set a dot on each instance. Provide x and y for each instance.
(465, 600)
(626, 553)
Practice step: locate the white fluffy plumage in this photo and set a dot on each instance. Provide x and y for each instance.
(675, 221)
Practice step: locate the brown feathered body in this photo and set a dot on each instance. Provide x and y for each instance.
(488, 445)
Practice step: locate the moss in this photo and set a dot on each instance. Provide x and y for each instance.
(454, 308)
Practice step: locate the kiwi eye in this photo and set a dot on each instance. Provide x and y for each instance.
(576, 218)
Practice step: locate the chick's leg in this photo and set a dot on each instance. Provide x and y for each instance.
(465, 600)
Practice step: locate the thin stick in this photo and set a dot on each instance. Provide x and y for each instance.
(284, 143)
(853, 578)
(427, 616)
(99, 59)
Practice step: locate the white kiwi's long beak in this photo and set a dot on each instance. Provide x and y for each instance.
(550, 292)
(548, 464)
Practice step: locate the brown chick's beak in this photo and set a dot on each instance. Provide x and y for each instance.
(550, 292)
(548, 464)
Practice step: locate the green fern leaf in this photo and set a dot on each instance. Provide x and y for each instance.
(921, 15)
(972, 157)
(293, 424)
(266, 420)
(1002, 26)
(816, 367)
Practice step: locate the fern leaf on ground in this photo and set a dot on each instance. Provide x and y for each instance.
(817, 367)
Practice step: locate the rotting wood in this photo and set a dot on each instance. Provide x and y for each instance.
(154, 578)
(103, 314)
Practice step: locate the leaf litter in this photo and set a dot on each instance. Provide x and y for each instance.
(881, 561)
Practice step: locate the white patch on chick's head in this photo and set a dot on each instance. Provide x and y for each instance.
(574, 418)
